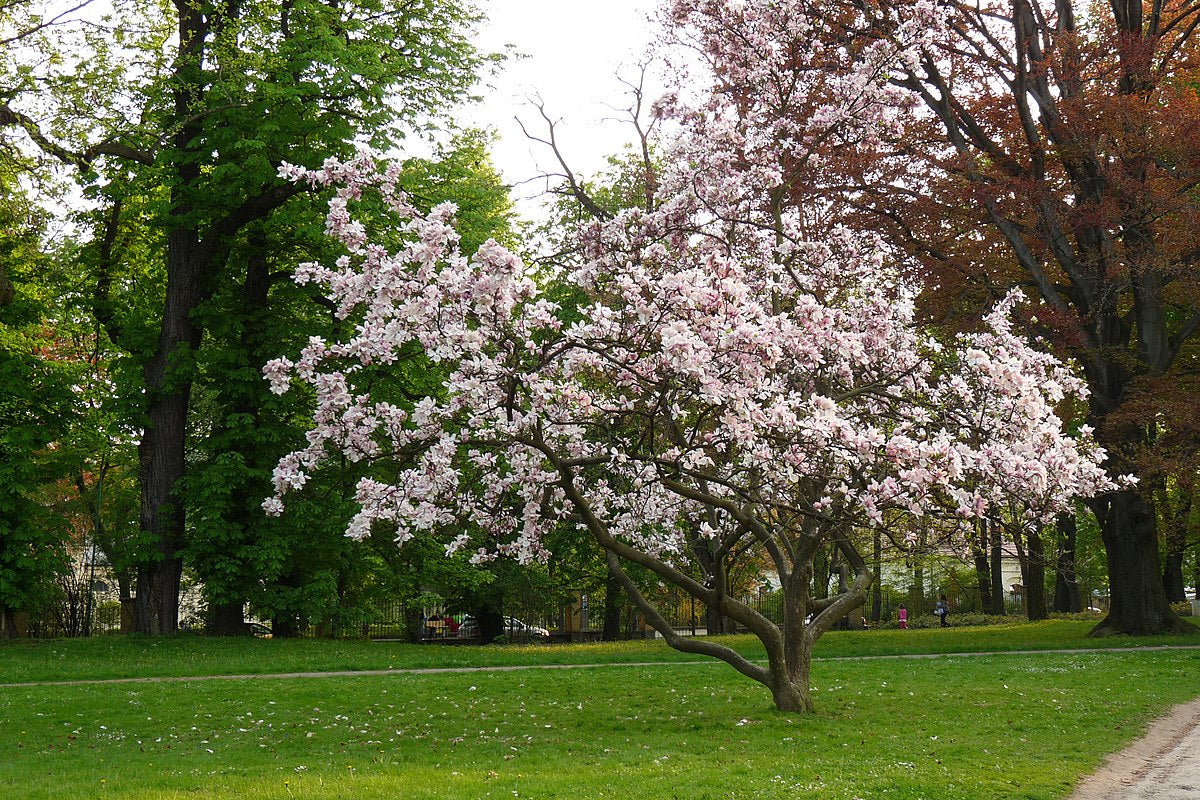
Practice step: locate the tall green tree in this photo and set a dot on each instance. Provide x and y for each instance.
(241, 429)
(1063, 135)
(191, 107)
(36, 404)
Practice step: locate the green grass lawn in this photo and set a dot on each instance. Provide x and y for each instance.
(999, 726)
(186, 655)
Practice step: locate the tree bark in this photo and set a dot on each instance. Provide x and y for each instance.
(8, 623)
(228, 619)
(611, 631)
(1173, 577)
(161, 451)
(491, 624)
(997, 569)
(983, 574)
(1176, 516)
(877, 567)
(1066, 587)
(916, 593)
(1034, 576)
(1137, 604)
(192, 255)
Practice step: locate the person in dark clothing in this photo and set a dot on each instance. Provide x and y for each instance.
(942, 609)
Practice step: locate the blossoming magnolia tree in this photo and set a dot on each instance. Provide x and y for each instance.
(723, 382)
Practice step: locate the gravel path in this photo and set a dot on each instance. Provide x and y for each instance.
(1162, 765)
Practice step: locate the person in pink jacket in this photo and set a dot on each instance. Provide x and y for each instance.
(903, 617)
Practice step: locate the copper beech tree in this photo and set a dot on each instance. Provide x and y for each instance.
(720, 374)
(1051, 146)
(1071, 133)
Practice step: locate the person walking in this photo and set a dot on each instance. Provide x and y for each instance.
(942, 609)
(903, 616)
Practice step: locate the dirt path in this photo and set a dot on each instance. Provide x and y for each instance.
(1162, 765)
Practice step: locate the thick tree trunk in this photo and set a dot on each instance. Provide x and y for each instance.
(1138, 605)
(613, 596)
(1034, 576)
(822, 571)
(1177, 516)
(8, 623)
(413, 629)
(916, 593)
(997, 569)
(790, 686)
(491, 625)
(284, 626)
(167, 372)
(876, 585)
(161, 451)
(1066, 587)
(983, 575)
(1173, 577)
(228, 619)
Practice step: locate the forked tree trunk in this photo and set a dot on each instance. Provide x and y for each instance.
(788, 645)
(167, 372)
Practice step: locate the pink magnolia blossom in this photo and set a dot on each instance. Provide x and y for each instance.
(728, 381)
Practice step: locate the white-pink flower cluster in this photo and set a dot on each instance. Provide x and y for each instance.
(692, 377)
(721, 366)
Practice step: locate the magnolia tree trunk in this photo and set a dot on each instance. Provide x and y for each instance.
(788, 645)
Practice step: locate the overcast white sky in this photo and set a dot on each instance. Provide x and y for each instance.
(574, 49)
